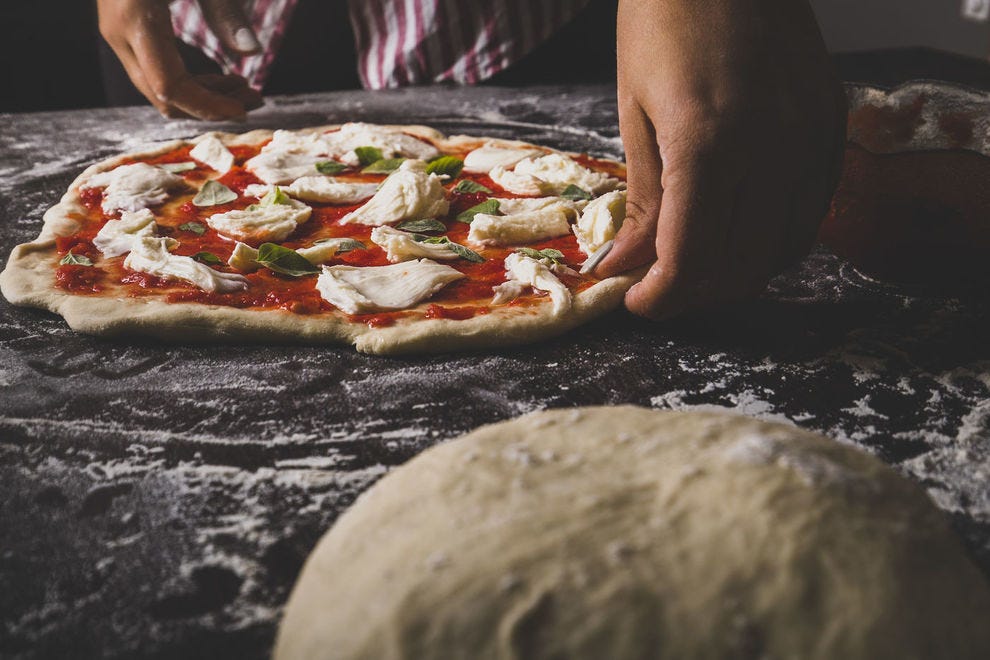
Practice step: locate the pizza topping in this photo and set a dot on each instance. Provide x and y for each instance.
(214, 193)
(283, 260)
(197, 228)
(527, 271)
(422, 226)
(524, 226)
(407, 193)
(151, 256)
(383, 166)
(519, 183)
(175, 168)
(116, 236)
(368, 155)
(445, 165)
(244, 258)
(326, 249)
(576, 194)
(71, 259)
(402, 246)
(212, 152)
(469, 186)
(600, 221)
(382, 288)
(319, 189)
(548, 254)
(552, 174)
(134, 187)
(486, 158)
(288, 156)
(489, 207)
(207, 258)
(266, 221)
(390, 143)
(330, 167)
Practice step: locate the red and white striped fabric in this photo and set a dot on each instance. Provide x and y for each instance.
(399, 42)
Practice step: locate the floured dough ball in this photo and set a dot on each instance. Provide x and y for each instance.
(629, 533)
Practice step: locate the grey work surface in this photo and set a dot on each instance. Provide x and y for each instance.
(158, 500)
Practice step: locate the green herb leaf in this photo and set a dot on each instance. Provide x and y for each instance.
(175, 168)
(283, 260)
(197, 228)
(383, 166)
(330, 167)
(368, 155)
(575, 194)
(207, 258)
(75, 260)
(345, 245)
(427, 225)
(432, 240)
(465, 253)
(448, 165)
(273, 197)
(213, 193)
(489, 206)
(469, 186)
(553, 255)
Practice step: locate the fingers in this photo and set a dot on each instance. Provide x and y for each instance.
(226, 18)
(233, 86)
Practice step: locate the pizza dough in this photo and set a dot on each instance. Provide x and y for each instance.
(628, 533)
(182, 315)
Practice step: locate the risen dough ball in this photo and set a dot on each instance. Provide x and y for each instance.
(629, 533)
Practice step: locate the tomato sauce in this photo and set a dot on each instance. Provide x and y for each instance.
(460, 300)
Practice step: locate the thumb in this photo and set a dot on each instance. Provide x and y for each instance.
(226, 18)
(635, 243)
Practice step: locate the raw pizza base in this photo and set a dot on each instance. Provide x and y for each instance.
(28, 280)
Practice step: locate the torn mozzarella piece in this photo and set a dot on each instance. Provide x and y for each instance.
(487, 157)
(262, 223)
(522, 226)
(358, 290)
(134, 187)
(508, 291)
(557, 171)
(289, 156)
(512, 205)
(212, 152)
(518, 183)
(319, 189)
(151, 255)
(532, 272)
(400, 246)
(116, 237)
(392, 142)
(600, 221)
(407, 193)
(244, 258)
(323, 251)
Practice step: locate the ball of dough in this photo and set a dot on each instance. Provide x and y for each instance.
(622, 532)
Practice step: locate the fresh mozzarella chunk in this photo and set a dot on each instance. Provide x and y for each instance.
(518, 183)
(400, 246)
(263, 223)
(381, 288)
(600, 221)
(150, 255)
(534, 273)
(487, 157)
(508, 291)
(116, 237)
(392, 142)
(244, 258)
(212, 152)
(523, 227)
(323, 251)
(512, 205)
(320, 189)
(409, 192)
(559, 171)
(134, 187)
(289, 156)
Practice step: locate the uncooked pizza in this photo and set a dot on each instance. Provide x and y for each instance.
(393, 238)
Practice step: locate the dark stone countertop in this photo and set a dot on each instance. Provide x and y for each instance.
(158, 500)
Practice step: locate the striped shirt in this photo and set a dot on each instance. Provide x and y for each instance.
(399, 42)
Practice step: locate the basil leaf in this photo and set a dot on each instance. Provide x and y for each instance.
(213, 193)
(469, 186)
(195, 227)
(465, 253)
(207, 258)
(283, 260)
(368, 155)
(383, 166)
(529, 252)
(432, 240)
(427, 225)
(449, 165)
(273, 197)
(330, 167)
(489, 206)
(175, 168)
(552, 254)
(575, 194)
(549, 253)
(75, 260)
(345, 245)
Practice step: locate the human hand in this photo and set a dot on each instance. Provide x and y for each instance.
(733, 124)
(140, 33)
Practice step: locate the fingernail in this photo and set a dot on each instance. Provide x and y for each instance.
(245, 40)
(596, 257)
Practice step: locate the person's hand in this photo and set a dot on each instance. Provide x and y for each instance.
(140, 33)
(733, 124)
